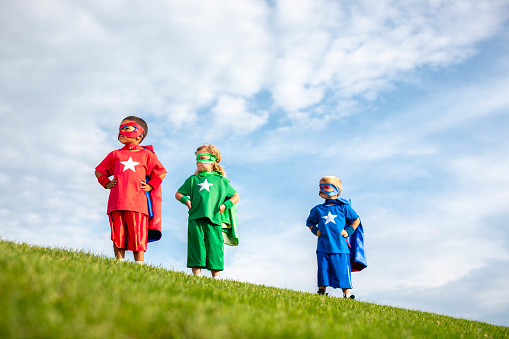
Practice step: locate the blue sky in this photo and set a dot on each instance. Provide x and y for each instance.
(405, 102)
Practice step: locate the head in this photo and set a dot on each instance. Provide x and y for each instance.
(329, 185)
(208, 159)
(132, 130)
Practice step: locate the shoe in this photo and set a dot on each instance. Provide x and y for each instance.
(350, 297)
(322, 292)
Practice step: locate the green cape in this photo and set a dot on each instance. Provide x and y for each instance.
(230, 234)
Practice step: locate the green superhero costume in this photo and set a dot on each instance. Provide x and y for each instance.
(208, 191)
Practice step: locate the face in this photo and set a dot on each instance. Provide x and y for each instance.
(200, 165)
(126, 140)
(327, 189)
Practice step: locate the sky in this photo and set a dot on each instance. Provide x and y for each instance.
(405, 102)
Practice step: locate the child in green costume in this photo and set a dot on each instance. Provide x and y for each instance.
(207, 194)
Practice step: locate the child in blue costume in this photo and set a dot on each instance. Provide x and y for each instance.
(332, 222)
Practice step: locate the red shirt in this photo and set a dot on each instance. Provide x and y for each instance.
(130, 168)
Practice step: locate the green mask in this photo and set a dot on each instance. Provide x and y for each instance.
(205, 158)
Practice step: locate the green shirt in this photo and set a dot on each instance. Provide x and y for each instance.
(207, 193)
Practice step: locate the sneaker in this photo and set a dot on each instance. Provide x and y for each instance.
(350, 297)
(322, 292)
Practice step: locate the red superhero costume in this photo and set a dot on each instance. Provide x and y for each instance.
(130, 168)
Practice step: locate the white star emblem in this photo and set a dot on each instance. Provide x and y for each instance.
(205, 186)
(129, 164)
(329, 218)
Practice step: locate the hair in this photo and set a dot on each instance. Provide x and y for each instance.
(140, 122)
(332, 180)
(208, 148)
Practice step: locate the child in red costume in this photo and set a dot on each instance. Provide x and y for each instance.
(128, 208)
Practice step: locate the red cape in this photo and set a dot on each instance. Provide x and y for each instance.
(156, 201)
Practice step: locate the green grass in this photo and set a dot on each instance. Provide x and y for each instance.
(56, 293)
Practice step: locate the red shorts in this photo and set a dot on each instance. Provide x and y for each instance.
(129, 230)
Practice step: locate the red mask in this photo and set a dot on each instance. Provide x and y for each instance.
(132, 133)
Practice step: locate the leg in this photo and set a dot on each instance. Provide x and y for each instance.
(214, 247)
(323, 271)
(342, 273)
(137, 234)
(119, 252)
(196, 252)
(139, 255)
(118, 233)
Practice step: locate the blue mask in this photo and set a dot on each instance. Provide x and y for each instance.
(332, 193)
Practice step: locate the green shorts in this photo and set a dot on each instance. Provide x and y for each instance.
(205, 245)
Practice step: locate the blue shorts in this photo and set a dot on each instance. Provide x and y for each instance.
(334, 270)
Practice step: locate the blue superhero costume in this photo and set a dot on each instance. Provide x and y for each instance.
(331, 218)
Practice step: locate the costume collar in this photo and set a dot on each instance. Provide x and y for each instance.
(205, 173)
(132, 147)
(339, 201)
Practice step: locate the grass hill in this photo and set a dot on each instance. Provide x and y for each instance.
(56, 293)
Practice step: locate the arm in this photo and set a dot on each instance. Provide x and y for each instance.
(155, 172)
(350, 229)
(315, 229)
(104, 181)
(153, 183)
(230, 202)
(312, 223)
(185, 201)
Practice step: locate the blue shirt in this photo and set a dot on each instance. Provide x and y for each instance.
(331, 218)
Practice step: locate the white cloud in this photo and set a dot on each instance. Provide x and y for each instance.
(166, 57)
(231, 115)
(360, 50)
(176, 58)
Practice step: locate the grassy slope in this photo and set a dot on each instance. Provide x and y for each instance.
(56, 293)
